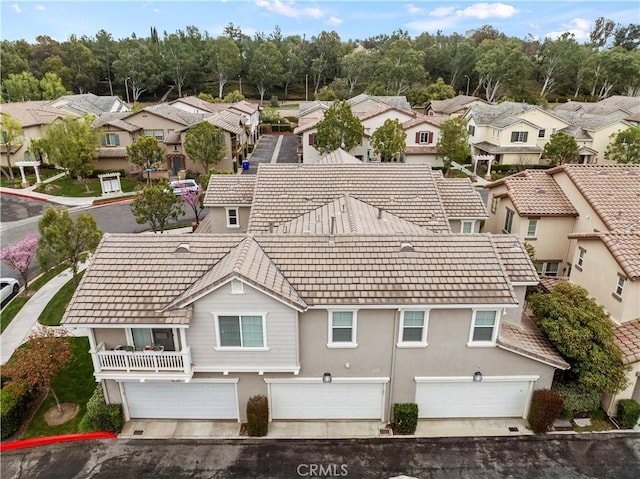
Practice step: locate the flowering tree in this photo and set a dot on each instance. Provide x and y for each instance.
(35, 365)
(18, 256)
(194, 199)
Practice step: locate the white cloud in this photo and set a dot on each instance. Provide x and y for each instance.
(442, 11)
(487, 10)
(16, 8)
(40, 8)
(289, 9)
(413, 10)
(334, 21)
(580, 27)
(431, 25)
(156, 10)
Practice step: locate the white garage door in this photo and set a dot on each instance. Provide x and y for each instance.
(335, 400)
(493, 397)
(182, 400)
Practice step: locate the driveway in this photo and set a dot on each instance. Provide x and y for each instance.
(550, 456)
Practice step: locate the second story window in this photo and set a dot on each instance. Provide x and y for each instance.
(508, 221)
(312, 139)
(542, 133)
(111, 139)
(472, 130)
(233, 220)
(532, 228)
(241, 331)
(619, 287)
(466, 227)
(342, 329)
(484, 328)
(581, 255)
(424, 137)
(157, 134)
(519, 136)
(413, 329)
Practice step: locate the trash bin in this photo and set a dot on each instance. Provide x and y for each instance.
(245, 165)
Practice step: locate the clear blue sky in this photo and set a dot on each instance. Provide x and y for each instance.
(352, 19)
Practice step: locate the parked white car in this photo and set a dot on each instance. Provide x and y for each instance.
(10, 288)
(179, 186)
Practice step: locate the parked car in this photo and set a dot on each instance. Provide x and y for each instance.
(179, 186)
(10, 288)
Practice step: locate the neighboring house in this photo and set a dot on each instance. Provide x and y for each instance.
(453, 107)
(90, 104)
(628, 340)
(617, 105)
(34, 116)
(422, 131)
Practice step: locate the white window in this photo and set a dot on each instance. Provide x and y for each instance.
(484, 328)
(241, 331)
(425, 137)
(342, 329)
(541, 133)
(547, 268)
(472, 130)
(466, 227)
(619, 286)
(519, 136)
(111, 139)
(151, 338)
(157, 134)
(508, 221)
(237, 287)
(232, 218)
(581, 255)
(532, 228)
(413, 329)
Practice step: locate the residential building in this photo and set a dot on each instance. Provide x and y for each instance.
(617, 105)
(90, 104)
(453, 107)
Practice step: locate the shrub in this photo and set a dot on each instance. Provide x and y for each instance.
(13, 405)
(103, 416)
(405, 416)
(257, 416)
(576, 399)
(628, 412)
(546, 406)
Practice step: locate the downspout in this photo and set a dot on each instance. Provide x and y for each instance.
(392, 366)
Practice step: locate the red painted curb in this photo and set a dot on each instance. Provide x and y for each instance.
(24, 195)
(116, 200)
(42, 441)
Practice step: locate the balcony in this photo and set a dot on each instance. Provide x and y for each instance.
(110, 361)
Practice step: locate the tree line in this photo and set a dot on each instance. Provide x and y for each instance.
(487, 64)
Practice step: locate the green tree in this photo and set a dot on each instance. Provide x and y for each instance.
(63, 241)
(389, 140)
(266, 69)
(233, 97)
(501, 64)
(561, 149)
(21, 87)
(400, 67)
(157, 205)
(581, 331)
(51, 87)
(206, 97)
(146, 153)
(624, 146)
(453, 144)
(339, 128)
(137, 68)
(203, 144)
(12, 136)
(224, 60)
(326, 94)
(83, 65)
(357, 67)
(15, 57)
(72, 144)
(181, 58)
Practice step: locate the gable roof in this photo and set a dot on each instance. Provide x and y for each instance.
(338, 157)
(286, 191)
(196, 102)
(169, 112)
(515, 258)
(460, 198)
(582, 123)
(128, 281)
(606, 106)
(227, 121)
(421, 119)
(624, 247)
(33, 113)
(90, 104)
(230, 190)
(453, 105)
(613, 191)
(535, 193)
(628, 339)
(116, 120)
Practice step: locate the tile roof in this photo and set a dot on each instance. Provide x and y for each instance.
(624, 247)
(230, 190)
(173, 113)
(200, 104)
(515, 258)
(604, 107)
(284, 192)
(628, 340)
(112, 152)
(33, 113)
(128, 281)
(421, 150)
(460, 199)
(527, 339)
(455, 104)
(227, 121)
(116, 120)
(549, 282)
(535, 193)
(349, 216)
(498, 149)
(588, 121)
(613, 191)
(338, 157)
(244, 106)
(89, 103)
(420, 119)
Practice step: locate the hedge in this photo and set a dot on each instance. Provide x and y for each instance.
(546, 406)
(628, 412)
(103, 416)
(405, 416)
(12, 410)
(576, 399)
(257, 416)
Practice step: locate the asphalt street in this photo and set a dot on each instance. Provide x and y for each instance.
(558, 456)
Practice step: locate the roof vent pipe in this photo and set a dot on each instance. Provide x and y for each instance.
(270, 226)
(379, 213)
(332, 226)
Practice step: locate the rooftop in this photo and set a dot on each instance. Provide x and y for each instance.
(628, 340)
(460, 198)
(33, 113)
(230, 190)
(624, 247)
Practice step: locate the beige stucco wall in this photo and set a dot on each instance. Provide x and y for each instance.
(218, 219)
(29, 133)
(599, 276)
(110, 337)
(551, 242)
(601, 139)
(632, 391)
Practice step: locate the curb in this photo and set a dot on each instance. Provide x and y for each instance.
(24, 195)
(114, 200)
(43, 441)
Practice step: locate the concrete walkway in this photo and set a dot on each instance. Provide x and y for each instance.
(478, 181)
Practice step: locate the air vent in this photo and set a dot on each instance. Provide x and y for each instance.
(406, 247)
(183, 248)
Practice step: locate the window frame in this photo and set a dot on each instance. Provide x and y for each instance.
(425, 137)
(354, 329)
(533, 221)
(494, 332)
(228, 210)
(131, 339)
(494, 203)
(220, 347)
(508, 220)
(619, 288)
(108, 136)
(542, 132)
(401, 327)
(153, 133)
(582, 254)
(237, 286)
(519, 136)
(472, 224)
(472, 130)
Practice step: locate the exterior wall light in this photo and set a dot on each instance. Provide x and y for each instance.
(477, 377)
(326, 378)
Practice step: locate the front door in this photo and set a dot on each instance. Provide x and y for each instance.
(176, 164)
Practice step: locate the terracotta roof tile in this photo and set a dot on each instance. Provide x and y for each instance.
(515, 258)
(529, 340)
(624, 247)
(460, 199)
(628, 340)
(230, 190)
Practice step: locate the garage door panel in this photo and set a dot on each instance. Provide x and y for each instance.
(182, 400)
(469, 399)
(326, 401)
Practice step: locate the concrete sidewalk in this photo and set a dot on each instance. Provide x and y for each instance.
(60, 200)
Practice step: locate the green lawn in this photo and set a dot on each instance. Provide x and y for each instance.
(72, 187)
(52, 314)
(31, 177)
(10, 311)
(74, 385)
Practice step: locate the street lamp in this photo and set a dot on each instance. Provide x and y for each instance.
(127, 88)
(306, 88)
(467, 77)
(240, 80)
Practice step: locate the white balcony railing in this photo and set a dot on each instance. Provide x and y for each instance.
(135, 361)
